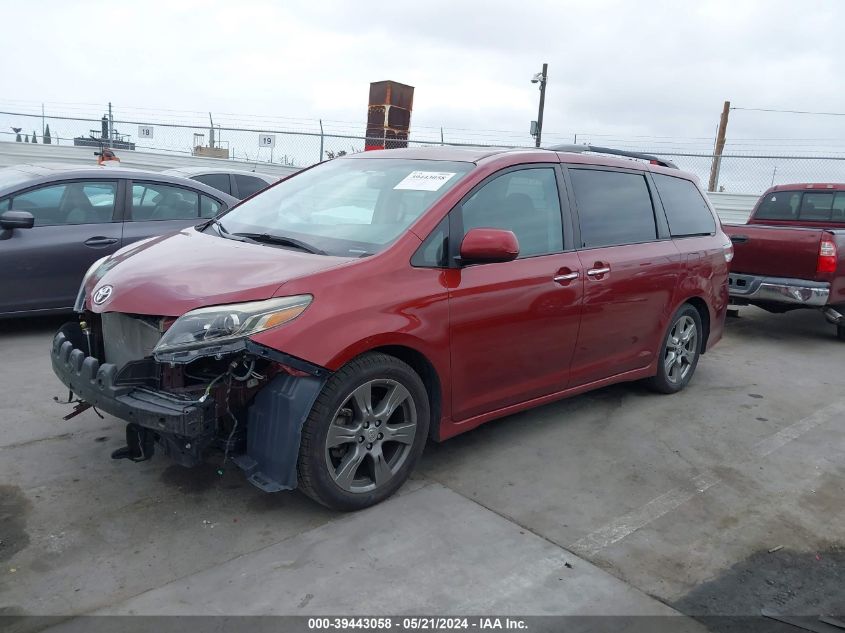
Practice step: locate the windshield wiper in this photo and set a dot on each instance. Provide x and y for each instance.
(221, 229)
(281, 240)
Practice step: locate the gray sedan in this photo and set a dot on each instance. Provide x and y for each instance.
(57, 220)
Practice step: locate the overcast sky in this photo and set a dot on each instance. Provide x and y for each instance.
(621, 68)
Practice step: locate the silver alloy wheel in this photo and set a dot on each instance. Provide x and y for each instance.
(681, 349)
(371, 435)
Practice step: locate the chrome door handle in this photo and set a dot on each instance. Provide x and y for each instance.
(594, 272)
(566, 277)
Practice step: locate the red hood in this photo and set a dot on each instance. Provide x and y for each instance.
(172, 274)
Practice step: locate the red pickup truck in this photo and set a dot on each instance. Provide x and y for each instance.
(791, 252)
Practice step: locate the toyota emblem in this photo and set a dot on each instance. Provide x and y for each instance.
(102, 294)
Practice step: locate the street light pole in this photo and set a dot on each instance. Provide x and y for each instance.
(542, 104)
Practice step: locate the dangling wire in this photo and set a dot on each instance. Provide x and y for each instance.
(221, 470)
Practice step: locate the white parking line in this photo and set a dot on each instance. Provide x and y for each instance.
(621, 527)
(625, 525)
(794, 431)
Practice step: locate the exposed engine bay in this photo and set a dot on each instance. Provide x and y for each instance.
(241, 400)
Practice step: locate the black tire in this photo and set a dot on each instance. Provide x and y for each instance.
(664, 381)
(840, 332)
(316, 467)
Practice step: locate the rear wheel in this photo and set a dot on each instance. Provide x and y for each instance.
(365, 433)
(840, 332)
(680, 351)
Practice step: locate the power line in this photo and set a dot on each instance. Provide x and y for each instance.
(790, 111)
(424, 134)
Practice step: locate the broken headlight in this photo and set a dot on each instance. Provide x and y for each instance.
(218, 324)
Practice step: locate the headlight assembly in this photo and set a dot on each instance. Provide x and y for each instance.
(218, 324)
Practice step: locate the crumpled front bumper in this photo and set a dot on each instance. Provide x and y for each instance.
(103, 386)
(184, 427)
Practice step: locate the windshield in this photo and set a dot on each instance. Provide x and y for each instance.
(349, 207)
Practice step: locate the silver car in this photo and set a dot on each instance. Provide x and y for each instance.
(238, 183)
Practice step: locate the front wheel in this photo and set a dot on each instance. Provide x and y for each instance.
(364, 434)
(680, 351)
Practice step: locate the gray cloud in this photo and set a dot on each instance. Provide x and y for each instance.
(624, 69)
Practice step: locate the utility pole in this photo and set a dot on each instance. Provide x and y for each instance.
(111, 125)
(542, 81)
(720, 146)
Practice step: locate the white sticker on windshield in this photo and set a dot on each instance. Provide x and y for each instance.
(425, 180)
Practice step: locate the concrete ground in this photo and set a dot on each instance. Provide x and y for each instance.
(619, 501)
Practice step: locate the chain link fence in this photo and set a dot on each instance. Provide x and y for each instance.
(746, 173)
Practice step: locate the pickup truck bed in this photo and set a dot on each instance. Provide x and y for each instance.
(761, 250)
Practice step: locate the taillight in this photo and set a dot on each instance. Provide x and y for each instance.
(827, 256)
(728, 248)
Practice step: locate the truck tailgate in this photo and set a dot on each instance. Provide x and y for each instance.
(775, 251)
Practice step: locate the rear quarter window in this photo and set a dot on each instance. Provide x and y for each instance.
(686, 210)
(248, 185)
(218, 181)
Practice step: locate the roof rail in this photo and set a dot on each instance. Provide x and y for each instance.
(581, 149)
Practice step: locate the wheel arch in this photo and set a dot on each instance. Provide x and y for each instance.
(704, 314)
(426, 371)
(428, 358)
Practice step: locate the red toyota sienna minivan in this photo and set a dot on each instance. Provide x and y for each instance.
(320, 332)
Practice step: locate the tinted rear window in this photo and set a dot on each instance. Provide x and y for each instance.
(218, 181)
(811, 206)
(686, 210)
(819, 206)
(248, 185)
(780, 205)
(613, 208)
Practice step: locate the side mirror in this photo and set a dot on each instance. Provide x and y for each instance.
(488, 246)
(16, 220)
